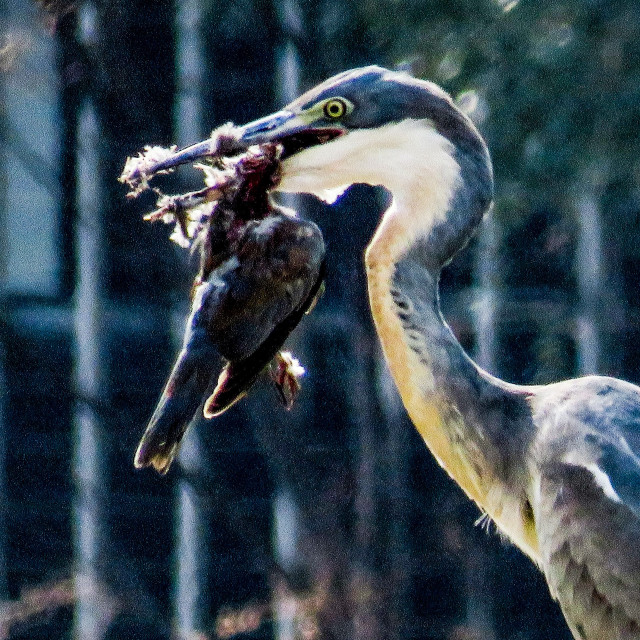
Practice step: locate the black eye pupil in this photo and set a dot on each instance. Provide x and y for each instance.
(335, 109)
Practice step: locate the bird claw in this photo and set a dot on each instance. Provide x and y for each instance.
(180, 209)
(286, 372)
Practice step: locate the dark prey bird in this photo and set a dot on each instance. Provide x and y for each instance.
(261, 269)
(557, 467)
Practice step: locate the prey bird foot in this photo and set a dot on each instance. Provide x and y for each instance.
(186, 210)
(286, 372)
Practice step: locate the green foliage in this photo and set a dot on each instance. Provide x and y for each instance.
(560, 82)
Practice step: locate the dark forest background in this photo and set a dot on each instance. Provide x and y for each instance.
(331, 521)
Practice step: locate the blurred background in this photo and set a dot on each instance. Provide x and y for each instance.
(331, 521)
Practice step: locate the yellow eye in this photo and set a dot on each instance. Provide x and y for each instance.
(335, 108)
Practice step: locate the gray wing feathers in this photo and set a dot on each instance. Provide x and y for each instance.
(586, 505)
(590, 548)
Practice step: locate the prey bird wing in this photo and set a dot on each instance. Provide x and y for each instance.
(242, 312)
(269, 286)
(587, 505)
(277, 264)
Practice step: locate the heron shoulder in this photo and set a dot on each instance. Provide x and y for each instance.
(575, 413)
(590, 423)
(588, 404)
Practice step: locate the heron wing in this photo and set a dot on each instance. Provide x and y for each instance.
(587, 505)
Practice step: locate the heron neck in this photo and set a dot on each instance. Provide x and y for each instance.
(473, 423)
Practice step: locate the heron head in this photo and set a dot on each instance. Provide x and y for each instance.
(368, 125)
(373, 126)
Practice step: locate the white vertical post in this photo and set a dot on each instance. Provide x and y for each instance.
(191, 550)
(589, 270)
(288, 69)
(31, 141)
(4, 170)
(92, 614)
(486, 304)
(286, 532)
(479, 561)
(4, 212)
(285, 511)
(4, 501)
(190, 67)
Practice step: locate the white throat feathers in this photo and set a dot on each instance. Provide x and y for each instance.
(409, 158)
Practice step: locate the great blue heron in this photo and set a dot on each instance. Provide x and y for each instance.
(556, 467)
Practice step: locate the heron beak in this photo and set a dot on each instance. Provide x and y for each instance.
(292, 130)
(287, 128)
(206, 149)
(271, 128)
(230, 140)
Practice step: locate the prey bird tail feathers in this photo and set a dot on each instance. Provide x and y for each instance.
(180, 400)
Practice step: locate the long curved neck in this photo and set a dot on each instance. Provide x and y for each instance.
(474, 424)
